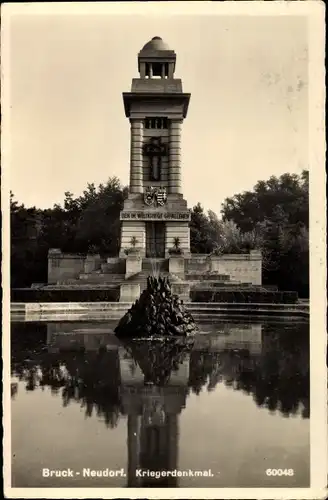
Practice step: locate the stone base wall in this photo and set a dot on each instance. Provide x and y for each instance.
(130, 229)
(246, 268)
(64, 266)
(92, 263)
(114, 265)
(177, 230)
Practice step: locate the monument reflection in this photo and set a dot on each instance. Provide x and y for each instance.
(149, 383)
(153, 392)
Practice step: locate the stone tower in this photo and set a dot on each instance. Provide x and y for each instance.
(155, 212)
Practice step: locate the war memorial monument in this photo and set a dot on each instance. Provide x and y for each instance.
(155, 234)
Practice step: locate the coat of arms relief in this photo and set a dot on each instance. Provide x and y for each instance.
(155, 196)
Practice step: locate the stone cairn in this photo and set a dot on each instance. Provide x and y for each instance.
(157, 313)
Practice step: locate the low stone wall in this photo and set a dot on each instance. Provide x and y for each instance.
(246, 268)
(64, 266)
(92, 263)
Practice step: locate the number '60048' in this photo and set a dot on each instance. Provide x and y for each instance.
(279, 472)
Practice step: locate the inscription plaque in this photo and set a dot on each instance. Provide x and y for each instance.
(172, 216)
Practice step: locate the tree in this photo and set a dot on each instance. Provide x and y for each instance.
(277, 212)
(232, 240)
(200, 231)
(26, 253)
(209, 234)
(99, 222)
(283, 200)
(89, 221)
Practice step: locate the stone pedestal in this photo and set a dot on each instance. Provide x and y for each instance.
(129, 292)
(133, 265)
(176, 265)
(182, 290)
(91, 263)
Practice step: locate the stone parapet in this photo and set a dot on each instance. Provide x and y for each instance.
(63, 266)
(92, 263)
(245, 268)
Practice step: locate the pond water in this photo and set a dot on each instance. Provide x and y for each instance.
(231, 406)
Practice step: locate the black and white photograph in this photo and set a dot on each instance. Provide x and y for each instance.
(163, 193)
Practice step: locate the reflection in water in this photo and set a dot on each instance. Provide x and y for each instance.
(149, 382)
(153, 397)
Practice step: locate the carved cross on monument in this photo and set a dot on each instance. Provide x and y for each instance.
(155, 150)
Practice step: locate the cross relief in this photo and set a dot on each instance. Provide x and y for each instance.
(154, 149)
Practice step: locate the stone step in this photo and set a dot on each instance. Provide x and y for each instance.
(102, 278)
(190, 275)
(84, 286)
(225, 287)
(113, 276)
(65, 283)
(112, 268)
(155, 265)
(262, 311)
(205, 306)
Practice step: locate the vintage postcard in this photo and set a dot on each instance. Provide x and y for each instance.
(164, 239)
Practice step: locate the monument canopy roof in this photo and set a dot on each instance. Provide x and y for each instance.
(155, 44)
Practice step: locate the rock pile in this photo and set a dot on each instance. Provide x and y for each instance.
(157, 313)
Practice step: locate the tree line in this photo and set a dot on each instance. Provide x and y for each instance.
(272, 217)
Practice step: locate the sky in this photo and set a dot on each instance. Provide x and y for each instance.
(248, 113)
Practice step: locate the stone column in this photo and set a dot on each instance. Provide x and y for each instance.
(163, 70)
(142, 70)
(136, 156)
(175, 157)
